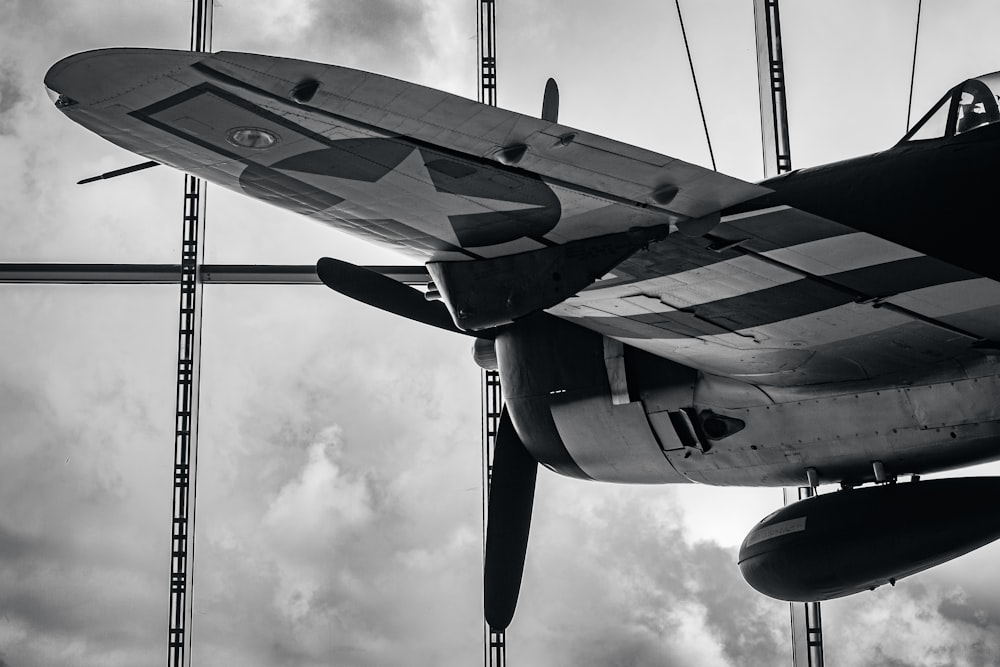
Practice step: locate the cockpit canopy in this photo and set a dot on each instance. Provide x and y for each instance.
(969, 105)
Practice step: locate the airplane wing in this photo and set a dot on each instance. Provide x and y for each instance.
(435, 175)
(777, 295)
(781, 296)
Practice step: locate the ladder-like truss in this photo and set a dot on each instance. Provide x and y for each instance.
(771, 83)
(486, 32)
(186, 420)
(807, 627)
(495, 642)
(188, 371)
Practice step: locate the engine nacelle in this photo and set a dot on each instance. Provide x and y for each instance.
(573, 396)
(836, 544)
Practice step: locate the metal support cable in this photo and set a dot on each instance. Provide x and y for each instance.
(694, 78)
(913, 69)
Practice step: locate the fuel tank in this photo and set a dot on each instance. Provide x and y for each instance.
(836, 544)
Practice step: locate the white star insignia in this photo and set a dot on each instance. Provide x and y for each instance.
(407, 194)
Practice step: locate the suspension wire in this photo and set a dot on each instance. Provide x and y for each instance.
(913, 69)
(694, 78)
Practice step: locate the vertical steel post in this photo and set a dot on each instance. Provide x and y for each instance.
(495, 642)
(777, 151)
(806, 619)
(807, 629)
(811, 613)
(486, 33)
(188, 366)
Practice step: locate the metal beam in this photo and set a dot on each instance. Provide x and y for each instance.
(777, 152)
(170, 274)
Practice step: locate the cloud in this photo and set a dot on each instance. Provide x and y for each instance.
(918, 622)
(86, 460)
(389, 22)
(389, 36)
(339, 501)
(11, 95)
(308, 517)
(649, 598)
(78, 564)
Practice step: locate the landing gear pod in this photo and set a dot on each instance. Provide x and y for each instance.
(841, 543)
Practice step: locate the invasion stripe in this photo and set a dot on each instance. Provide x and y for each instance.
(721, 280)
(840, 253)
(953, 299)
(780, 227)
(691, 275)
(791, 300)
(828, 329)
(901, 276)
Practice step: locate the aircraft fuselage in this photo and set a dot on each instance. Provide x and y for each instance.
(667, 422)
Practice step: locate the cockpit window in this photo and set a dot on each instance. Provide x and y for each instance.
(933, 125)
(967, 106)
(977, 106)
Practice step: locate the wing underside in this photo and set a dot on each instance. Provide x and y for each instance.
(783, 297)
(431, 174)
(778, 295)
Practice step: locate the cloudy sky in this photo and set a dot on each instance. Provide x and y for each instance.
(339, 503)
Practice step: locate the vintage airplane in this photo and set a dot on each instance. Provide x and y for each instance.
(652, 321)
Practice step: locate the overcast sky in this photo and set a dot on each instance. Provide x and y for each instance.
(339, 504)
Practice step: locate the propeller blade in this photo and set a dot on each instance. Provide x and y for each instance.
(550, 102)
(374, 289)
(512, 492)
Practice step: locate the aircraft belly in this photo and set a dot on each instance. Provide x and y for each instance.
(909, 429)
